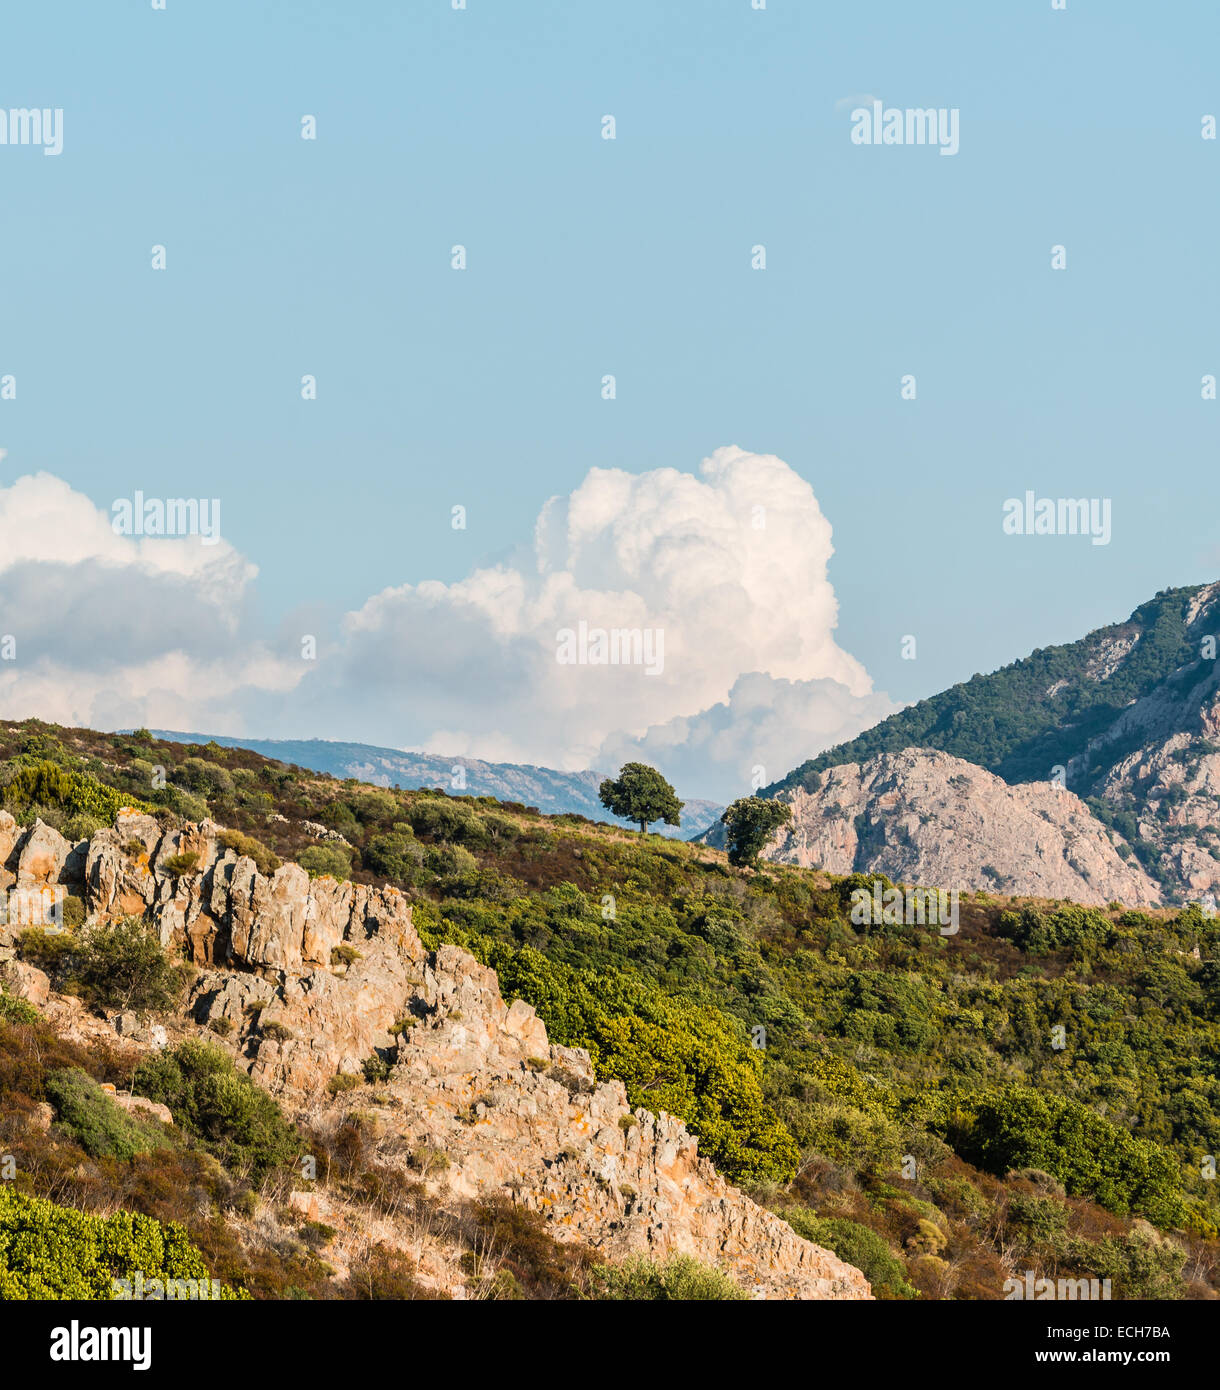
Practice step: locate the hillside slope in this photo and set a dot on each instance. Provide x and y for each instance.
(1038, 1088)
(312, 978)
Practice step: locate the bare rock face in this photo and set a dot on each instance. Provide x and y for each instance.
(926, 818)
(143, 1108)
(311, 978)
(1171, 781)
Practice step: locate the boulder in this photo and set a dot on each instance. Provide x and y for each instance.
(26, 981)
(42, 855)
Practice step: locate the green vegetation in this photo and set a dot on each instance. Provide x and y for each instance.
(677, 1279)
(57, 795)
(857, 1245)
(209, 1098)
(639, 793)
(264, 861)
(119, 965)
(331, 860)
(1092, 1157)
(89, 1117)
(1044, 1080)
(51, 1251)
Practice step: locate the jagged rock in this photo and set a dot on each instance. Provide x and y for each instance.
(322, 832)
(116, 882)
(623, 1182)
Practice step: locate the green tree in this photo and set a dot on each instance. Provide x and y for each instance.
(639, 793)
(751, 821)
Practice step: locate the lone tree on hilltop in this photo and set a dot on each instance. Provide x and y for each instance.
(751, 821)
(641, 794)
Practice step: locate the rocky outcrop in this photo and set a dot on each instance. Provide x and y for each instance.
(513, 1114)
(925, 818)
(310, 979)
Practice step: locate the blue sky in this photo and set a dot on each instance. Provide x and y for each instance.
(630, 257)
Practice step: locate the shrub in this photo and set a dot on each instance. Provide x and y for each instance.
(1068, 927)
(123, 965)
(442, 819)
(387, 1275)
(332, 859)
(394, 856)
(205, 778)
(856, 1245)
(679, 1279)
(1021, 1127)
(74, 793)
(264, 861)
(374, 807)
(103, 1129)
(344, 954)
(375, 1069)
(209, 1098)
(1140, 1264)
(73, 912)
(50, 951)
(342, 1081)
(15, 1010)
(49, 1251)
(180, 864)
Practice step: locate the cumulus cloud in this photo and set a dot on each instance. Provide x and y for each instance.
(718, 581)
(110, 630)
(726, 570)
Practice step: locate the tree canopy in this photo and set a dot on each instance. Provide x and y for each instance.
(639, 793)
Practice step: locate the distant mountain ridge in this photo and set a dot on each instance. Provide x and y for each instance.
(551, 791)
(1047, 709)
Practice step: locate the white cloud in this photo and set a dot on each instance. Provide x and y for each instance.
(730, 566)
(110, 630)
